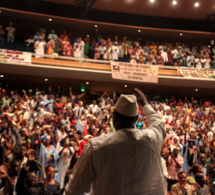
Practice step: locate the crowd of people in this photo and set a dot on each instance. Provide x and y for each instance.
(43, 134)
(116, 49)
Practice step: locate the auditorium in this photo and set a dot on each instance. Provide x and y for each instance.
(107, 97)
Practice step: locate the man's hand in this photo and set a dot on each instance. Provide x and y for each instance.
(141, 98)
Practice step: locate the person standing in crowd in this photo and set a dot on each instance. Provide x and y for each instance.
(52, 36)
(50, 47)
(126, 146)
(65, 155)
(2, 34)
(10, 33)
(201, 188)
(51, 187)
(39, 47)
(174, 166)
(115, 52)
(48, 155)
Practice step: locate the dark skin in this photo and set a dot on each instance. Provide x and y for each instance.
(66, 145)
(174, 156)
(119, 121)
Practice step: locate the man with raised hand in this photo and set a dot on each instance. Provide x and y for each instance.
(124, 162)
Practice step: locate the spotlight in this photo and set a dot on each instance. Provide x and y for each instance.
(96, 26)
(196, 90)
(196, 4)
(126, 86)
(2, 76)
(181, 34)
(174, 2)
(50, 19)
(87, 83)
(139, 30)
(46, 79)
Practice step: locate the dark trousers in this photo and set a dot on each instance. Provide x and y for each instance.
(170, 182)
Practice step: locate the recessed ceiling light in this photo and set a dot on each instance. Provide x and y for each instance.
(0, 11)
(181, 34)
(196, 90)
(174, 2)
(50, 19)
(126, 86)
(96, 26)
(139, 30)
(2, 76)
(152, 1)
(87, 83)
(46, 79)
(196, 4)
(88, 35)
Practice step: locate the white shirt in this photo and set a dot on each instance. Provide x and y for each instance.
(124, 162)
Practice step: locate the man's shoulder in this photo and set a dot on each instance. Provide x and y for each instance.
(120, 137)
(177, 186)
(110, 138)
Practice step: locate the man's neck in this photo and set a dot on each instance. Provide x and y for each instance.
(203, 163)
(125, 127)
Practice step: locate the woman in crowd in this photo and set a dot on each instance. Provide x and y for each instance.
(40, 47)
(50, 47)
(48, 155)
(65, 155)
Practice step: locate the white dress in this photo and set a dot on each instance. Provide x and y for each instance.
(64, 162)
(198, 63)
(115, 52)
(207, 64)
(40, 48)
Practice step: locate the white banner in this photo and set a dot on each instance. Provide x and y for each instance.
(134, 72)
(196, 73)
(18, 57)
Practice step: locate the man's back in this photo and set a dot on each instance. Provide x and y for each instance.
(124, 162)
(128, 162)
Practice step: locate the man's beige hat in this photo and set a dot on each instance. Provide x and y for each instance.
(127, 105)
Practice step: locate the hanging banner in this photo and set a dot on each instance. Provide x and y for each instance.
(134, 72)
(196, 73)
(18, 57)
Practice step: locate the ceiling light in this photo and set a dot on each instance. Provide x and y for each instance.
(88, 35)
(174, 2)
(139, 30)
(87, 83)
(209, 46)
(0, 11)
(181, 34)
(46, 79)
(2, 76)
(152, 1)
(126, 86)
(96, 26)
(50, 19)
(196, 4)
(196, 90)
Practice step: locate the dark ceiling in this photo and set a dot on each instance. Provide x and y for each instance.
(162, 8)
(162, 14)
